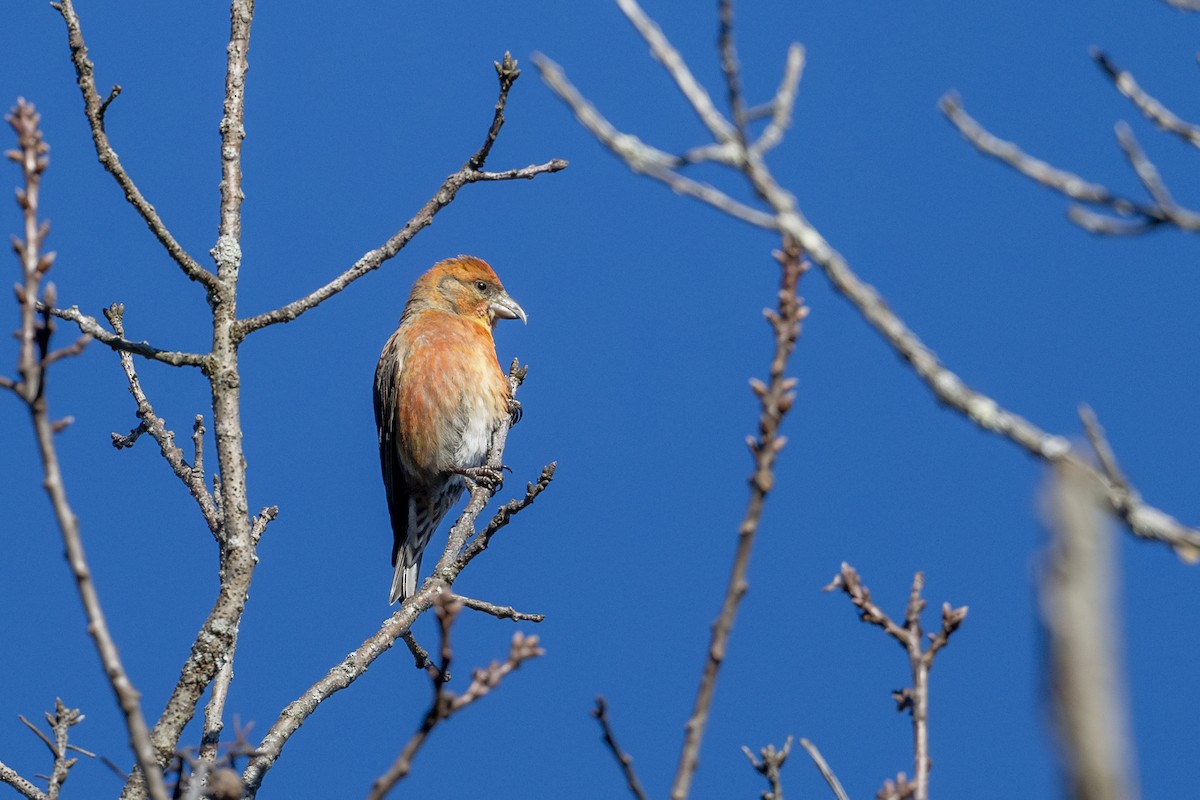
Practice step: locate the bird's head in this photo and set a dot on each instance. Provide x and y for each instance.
(469, 287)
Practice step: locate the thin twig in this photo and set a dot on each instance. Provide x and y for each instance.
(1132, 216)
(35, 334)
(470, 172)
(446, 703)
(826, 771)
(600, 712)
(1150, 107)
(776, 398)
(153, 424)
(677, 68)
(90, 326)
(768, 763)
(640, 157)
(499, 612)
(94, 109)
(910, 635)
(11, 777)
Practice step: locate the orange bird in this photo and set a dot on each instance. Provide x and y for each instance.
(439, 395)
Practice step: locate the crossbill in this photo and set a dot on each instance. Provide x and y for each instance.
(439, 396)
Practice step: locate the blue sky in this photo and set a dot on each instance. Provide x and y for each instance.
(644, 328)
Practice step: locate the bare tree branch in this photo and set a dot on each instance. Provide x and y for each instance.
(915, 700)
(445, 703)
(90, 326)
(453, 561)
(25, 788)
(192, 478)
(470, 172)
(499, 612)
(35, 335)
(640, 157)
(768, 763)
(214, 644)
(1132, 216)
(1151, 108)
(784, 215)
(600, 712)
(1080, 618)
(823, 767)
(95, 110)
(776, 398)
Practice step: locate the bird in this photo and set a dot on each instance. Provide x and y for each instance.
(439, 395)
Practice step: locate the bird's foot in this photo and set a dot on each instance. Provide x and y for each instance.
(488, 478)
(515, 412)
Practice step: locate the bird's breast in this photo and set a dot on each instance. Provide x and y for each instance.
(452, 393)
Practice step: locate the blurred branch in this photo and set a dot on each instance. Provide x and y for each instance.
(60, 722)
(1132, 216)
(453, 561)
(35, 335)
(470, 172)
(783, 214)
(445, 703)
(823, 767)
(600, 712)
(768, 763)
(24, 788)
(95, 108)
(1079, 612)
(910, 635)
(1151, 108)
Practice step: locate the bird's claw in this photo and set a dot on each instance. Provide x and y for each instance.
(488, 478)
(515, 411)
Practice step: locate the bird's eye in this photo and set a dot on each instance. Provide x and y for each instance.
(481, 285)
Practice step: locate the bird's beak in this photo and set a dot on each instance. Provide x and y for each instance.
(504, 307)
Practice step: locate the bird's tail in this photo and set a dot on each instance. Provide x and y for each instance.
(404, 580)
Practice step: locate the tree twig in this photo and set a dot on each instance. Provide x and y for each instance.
(1150, 107)
(446, 703)
(910, 635)
(1143, 520)
(192, 477)
(470, 172)
(94, 109)
(776, 398)
(826, 771)
(600, 712)
(768, 763)
(35, 336)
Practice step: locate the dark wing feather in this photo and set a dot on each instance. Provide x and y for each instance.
(387, 376)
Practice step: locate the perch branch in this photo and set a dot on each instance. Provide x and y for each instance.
(350, 668)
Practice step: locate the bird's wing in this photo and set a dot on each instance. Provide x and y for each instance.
(387, 390)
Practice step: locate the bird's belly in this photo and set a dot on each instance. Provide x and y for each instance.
(476, 435)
